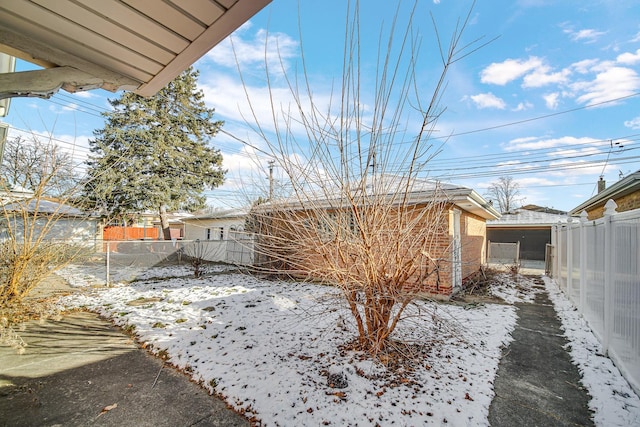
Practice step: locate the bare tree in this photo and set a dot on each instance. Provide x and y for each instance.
(30, 163)
(31, 245)
(362, 214)
(505, 192)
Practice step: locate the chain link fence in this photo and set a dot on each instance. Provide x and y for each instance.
(109, 261)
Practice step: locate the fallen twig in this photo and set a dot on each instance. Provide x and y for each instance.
(157, 376)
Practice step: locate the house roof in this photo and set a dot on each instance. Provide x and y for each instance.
(137, 45)
(219, 214)
(523, 218)
(15, 192)
(389, 186)
(627, 185)
(536, 208)
(44, 207)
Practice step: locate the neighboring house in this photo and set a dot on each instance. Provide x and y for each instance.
(530, 226)
(626, 194)
(457, 234)
(214, 225)
(15, 193)
(58, 220)
(213, 236)
(176, 224)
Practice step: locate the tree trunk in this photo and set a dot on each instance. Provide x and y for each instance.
(164, 223)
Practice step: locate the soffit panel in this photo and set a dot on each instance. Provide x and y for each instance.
(148, 41)
(107, 29)
(170, 17)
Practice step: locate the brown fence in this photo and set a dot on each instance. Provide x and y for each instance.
(130, 233)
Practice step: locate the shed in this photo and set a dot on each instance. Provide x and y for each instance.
(530, 226)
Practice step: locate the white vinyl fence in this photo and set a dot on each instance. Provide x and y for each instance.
(597, 265)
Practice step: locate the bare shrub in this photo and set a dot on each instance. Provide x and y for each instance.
(361, 213)
(34, 240)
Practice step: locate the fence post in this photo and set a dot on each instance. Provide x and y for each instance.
(559, 250)
(569, 283)
(583, 261)
(609, 211)
(554, 250)
(108, 262)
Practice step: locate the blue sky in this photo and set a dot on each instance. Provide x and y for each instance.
(553, 101)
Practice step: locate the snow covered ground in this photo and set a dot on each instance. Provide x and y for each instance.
(276, 350)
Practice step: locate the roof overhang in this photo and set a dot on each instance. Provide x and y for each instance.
(625, 186)
(498, 224)
(472, 202)
(462, 197)
(136, 45)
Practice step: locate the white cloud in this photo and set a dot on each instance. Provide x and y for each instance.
(523, 106)
(542, 77)
(585, 66)
(501, 73)
(245, 168)
(613, 83)
(633, 123)
(238, 49)
(587, 35)
(535, 143)
(551, 100)
(572, 152)
(576, 167)
(629, 58)
(510, 163)
(488, 100)
(86, 94)
(525, 182)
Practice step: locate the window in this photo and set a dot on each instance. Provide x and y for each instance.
(338, 223)
(216, 233)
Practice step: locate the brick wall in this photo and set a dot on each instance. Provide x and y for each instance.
(429, 261)
(625, 203)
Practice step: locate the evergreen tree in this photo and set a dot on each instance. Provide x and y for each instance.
(153, 153)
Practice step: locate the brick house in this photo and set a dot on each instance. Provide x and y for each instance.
(626, 194)
(443, 235)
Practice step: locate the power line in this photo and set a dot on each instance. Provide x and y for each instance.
(545, 116)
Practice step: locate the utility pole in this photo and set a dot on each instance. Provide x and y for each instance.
(271, 164)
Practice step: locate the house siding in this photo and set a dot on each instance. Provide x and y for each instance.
(197, 228)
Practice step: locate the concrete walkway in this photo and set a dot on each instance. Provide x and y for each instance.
(537, 384)
(75, 369)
